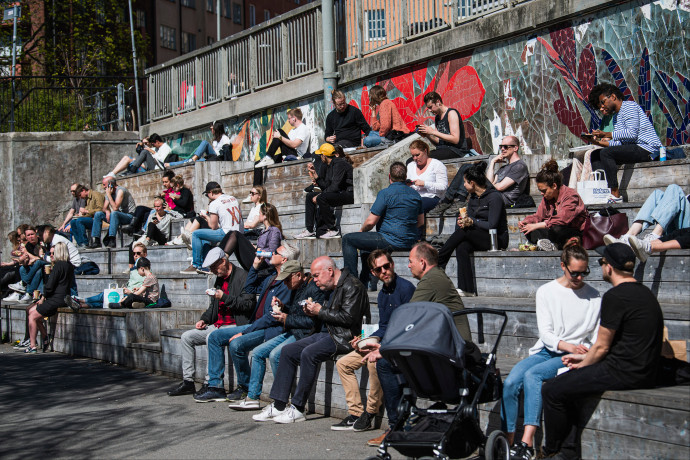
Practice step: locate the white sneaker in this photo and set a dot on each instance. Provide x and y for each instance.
(246, 404)
(330, 235)
(18, 287)
(462, 293)
(267, 414)
(650, 237)
(610, 239)
(175, 241)
(248, 199)
(546, 245)
(612, 199)
(186, 238)
(305, 235)
(152, 243)
(12, 298)
(642, 249)
(289, 415)
(265, 161)
(25, 299)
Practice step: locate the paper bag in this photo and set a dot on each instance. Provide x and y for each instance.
(594, 190)
(113, 294)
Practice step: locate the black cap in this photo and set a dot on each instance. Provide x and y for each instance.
(210, 186)
(618, 255)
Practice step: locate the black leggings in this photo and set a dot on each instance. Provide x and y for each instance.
(557, 234)
(236, 243)
(608, 158)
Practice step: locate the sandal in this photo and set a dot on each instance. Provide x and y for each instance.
(31, 350)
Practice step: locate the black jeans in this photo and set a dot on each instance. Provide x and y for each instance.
(325, 202)
(152, 232)
(557, 234)
(141, 213)
(456, 190)
(285, 150)
(308, 354)
(392, 383)
(561, 397)
(446, 153)
(608, 158)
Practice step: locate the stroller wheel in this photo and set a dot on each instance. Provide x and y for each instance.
(497, 446)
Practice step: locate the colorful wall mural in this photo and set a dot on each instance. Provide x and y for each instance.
(533, 86)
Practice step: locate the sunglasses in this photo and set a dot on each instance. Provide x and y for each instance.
(506, 147)
(254, 193)
(603, 261)
(137, 253)
(578, 274)
(385, 266)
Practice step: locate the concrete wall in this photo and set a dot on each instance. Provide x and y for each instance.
(59, 159)
(526, 70)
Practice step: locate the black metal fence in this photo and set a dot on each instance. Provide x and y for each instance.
(69, 104)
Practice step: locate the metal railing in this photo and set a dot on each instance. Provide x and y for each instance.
(67, 104)
(289, 47)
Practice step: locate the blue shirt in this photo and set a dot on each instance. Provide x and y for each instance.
(631, 126)
(267, 288)
(391, 297)
(398, 207)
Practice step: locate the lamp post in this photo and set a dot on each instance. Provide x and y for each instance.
(134, 60)
(13, 13)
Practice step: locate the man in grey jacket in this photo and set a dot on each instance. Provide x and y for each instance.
(335, 326)
(226, 302)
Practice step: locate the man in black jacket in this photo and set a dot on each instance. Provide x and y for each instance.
(336, 190)
(335, 326)
(345, 124)
(227, 302)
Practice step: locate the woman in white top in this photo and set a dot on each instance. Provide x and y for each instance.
(426, 175)
(568, 319)
(206, 149)
(253, 225)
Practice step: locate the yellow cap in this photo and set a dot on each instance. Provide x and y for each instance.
(325, 149)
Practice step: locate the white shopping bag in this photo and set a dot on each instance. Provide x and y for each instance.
(594, 190)
(113, 294)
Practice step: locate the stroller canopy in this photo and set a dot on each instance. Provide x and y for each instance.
(426, 327)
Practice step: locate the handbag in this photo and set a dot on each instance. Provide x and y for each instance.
(595, 189)
(112, 294)
(607, 221)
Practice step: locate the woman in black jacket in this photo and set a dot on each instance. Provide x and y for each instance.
(485, 210)
(54, 292)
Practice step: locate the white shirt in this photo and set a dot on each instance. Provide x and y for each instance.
(74, 257)
(301, 132)
(161, 153)
(567, 315)
(218, 145)
(229, 213)
(254, 216)
(435, 178)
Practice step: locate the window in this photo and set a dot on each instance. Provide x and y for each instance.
(252, 15)
(227, 9)
(168, 37)
(188, 42)
(140, 19)
(188, 3)
(375, 25)
(210, 5)
(267, 15)
(237, 13)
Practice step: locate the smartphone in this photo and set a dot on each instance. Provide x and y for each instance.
(588, 135)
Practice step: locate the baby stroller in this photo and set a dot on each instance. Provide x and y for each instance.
(423, 343)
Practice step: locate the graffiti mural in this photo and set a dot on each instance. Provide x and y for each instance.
(533, 86)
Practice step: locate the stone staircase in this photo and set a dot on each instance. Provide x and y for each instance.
(634, 424)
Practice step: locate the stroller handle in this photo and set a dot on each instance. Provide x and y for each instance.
(480, 312)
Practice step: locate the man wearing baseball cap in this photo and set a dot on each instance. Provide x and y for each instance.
(625, 355)
(335, 189)
(223, 215)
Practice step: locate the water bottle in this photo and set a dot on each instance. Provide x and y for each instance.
(662, 154)
(494, 240)
(264, 254)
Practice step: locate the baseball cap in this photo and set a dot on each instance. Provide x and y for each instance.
(288, 268)
(618, 255)
(210, 186)
(325, 149)
(213, 256)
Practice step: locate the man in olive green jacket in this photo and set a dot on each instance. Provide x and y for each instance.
(83, 220)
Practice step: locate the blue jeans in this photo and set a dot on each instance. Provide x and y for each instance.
(392, 383)
(95, 301)
(204, 149)
(668, 209)
(527, 375)
(118, 218)
(374, 138)
(33, 276)
(216, 341)
(271, 350)
(200, 240)
(366, 242)
(78, 229)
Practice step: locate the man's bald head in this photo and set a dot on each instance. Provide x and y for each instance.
(326, 274)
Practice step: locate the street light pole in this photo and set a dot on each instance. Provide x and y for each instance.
(218, 20)
(134, 60)
(15, 13)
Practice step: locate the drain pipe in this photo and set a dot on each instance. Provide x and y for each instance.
(330, 75)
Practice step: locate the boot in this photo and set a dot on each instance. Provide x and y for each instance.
(132, 227)
(95, 243)
(110, 242)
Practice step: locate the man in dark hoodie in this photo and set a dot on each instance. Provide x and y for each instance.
(335, 326)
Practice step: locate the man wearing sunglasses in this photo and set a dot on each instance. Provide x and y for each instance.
(625, 355)
(395, 292)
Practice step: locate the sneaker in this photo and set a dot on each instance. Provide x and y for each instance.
(265, 161)
(186, 238)
(248, 199)
(365, 422)
(175, 241)
(202, 390)
(441, 207)
(26, 299)
(191, 270)
(345, 424)
(305, 235)
(378, 440)
(462, 293)
(289, 415)
(212, 394)
(331, 234)
(12, 298)
(18, 287)
(642, 249)
(245, 404)
(236, 396)
(651, 237)
(23, 344)
(72, 303)
(546, 245)
(521, 451)
(203, 271)
(31, 350)
(612, 199)
(187, 387)
(267, 414)
(610, 239)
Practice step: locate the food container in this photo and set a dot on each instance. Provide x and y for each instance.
(368, 342)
